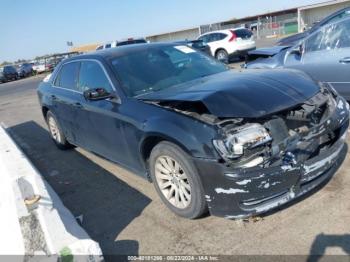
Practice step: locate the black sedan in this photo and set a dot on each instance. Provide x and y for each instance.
(236, 144)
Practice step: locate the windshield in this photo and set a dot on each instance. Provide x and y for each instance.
(160, 67)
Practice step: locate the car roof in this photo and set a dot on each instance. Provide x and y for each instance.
(118, 51)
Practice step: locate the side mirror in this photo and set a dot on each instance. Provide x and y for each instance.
(96, 94)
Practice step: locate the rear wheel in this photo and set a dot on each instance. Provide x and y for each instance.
(222, 56)
(56, 132)
(176, 180)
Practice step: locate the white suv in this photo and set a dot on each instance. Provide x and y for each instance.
(129, 41)
(225, 44)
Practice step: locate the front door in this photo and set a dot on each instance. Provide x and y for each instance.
(326, 57)
(100, 121)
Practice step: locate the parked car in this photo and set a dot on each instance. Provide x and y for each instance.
(41, 67)
(196, 44)
(8, 73)
(128, 41)
(226, 44)
(25, 70)
(324, 55)
(294, 39)
(201, 132)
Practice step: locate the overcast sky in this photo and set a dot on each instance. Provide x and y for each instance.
(37, 27)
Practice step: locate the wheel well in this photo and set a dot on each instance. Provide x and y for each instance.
(148, 144)
(44, 110)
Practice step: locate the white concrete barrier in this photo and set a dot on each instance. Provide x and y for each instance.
(45, 226)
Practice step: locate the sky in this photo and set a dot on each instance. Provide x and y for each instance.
(37, 27)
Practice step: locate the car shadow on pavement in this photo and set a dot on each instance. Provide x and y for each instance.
(323, 241)
(104, 203)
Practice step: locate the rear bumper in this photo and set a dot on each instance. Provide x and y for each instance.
(244, 192)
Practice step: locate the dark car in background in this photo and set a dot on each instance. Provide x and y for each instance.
(324, 55)
(8, 73)
(199, 131)
(25, 69)
(294, 39)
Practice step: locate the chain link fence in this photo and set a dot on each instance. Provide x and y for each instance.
(267, 27)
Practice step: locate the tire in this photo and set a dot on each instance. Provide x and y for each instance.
(222, 56)
(184, 184)
(56, 132)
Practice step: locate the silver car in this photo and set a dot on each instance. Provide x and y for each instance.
(324, 55)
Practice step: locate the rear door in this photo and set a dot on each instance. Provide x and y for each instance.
(217, 41)
(326, 56)
(66, 101)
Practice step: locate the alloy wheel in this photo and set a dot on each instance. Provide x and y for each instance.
(173, 182)
(54, 131)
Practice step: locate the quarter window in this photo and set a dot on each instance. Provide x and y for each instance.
(92, 76)
(68, 76)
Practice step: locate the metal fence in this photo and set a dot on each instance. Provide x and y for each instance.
(266, 27)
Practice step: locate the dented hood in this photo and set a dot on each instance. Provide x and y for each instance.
(249, 94)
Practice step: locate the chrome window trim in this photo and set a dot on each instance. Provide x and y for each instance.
(78, 61)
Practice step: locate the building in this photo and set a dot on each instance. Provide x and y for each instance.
(310, 14)
(190, 33)
(265, 25)
(84, 48)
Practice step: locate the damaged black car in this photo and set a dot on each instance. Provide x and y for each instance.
(235, 144)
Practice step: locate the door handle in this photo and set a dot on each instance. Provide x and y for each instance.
(345, 60)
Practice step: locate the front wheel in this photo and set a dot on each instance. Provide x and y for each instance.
(56, 132)
(176, 180)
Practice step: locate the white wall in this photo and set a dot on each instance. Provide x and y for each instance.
(309, 16)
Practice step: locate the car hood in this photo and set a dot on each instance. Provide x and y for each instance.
(235, 94)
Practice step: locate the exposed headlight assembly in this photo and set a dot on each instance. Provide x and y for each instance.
(239, 139)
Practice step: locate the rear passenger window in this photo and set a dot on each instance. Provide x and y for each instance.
(220, 36)
(68, 76)
(108, 45)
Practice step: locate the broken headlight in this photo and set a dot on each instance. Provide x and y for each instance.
(239, 139)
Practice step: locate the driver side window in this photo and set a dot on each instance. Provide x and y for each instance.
(91, 75)
(313, 43)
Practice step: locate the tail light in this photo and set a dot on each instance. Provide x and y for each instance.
(233, 37)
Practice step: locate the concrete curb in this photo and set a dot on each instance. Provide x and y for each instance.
(47, 226)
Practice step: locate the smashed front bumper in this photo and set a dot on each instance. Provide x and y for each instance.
(244, 192)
